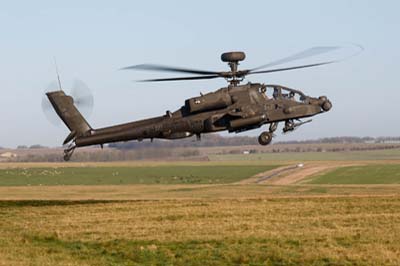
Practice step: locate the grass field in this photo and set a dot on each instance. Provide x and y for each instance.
(389, 154)
(278, 231)
(368, 174)
(158, 174)
(190, 213)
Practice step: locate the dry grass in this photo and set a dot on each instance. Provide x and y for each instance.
(360, 230)
(187, 192)
(230, 224)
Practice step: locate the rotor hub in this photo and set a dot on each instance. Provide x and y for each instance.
(233, 59)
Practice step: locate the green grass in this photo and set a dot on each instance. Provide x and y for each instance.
(390, 154)
(247, 251)
(175, 174)
(369, 174)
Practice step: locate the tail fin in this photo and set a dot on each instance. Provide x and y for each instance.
(69, 114)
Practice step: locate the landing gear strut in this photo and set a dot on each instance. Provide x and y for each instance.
(68, 152)
(265, 138)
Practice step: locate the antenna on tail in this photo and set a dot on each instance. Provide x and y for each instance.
(58, 75)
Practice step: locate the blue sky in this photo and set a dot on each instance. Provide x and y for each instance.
(93, 39)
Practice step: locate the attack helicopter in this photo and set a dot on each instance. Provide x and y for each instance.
(235, 108)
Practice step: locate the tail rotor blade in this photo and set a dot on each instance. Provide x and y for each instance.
(80, 92)
(83, 97)
(47, 108)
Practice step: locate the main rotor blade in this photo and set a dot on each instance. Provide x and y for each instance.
(290, 68)
(301, 55)
(180, 78)
(244, 73)
(163, 68)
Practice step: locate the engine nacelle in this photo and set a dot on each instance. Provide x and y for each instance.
(209, 101)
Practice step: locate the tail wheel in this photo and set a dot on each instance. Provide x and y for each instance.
(68, 152)
(265, 138)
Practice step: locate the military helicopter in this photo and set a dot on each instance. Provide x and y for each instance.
(234, 108)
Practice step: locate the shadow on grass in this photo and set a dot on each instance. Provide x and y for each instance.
(43, 203)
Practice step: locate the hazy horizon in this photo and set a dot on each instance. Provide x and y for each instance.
(93, 39)
(39, 145)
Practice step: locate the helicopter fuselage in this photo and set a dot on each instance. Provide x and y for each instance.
(235, 109)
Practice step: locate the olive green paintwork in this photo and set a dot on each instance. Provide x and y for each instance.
(233, 108)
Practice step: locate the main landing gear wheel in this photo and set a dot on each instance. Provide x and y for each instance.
(265, 138)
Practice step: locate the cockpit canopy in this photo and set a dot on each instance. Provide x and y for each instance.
(280, 92)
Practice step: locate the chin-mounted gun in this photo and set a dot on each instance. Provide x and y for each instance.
(290, 125)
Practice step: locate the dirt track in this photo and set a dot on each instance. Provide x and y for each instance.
(293, 175)
(299, 174)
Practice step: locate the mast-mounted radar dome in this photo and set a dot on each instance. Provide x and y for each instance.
(233, 56)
